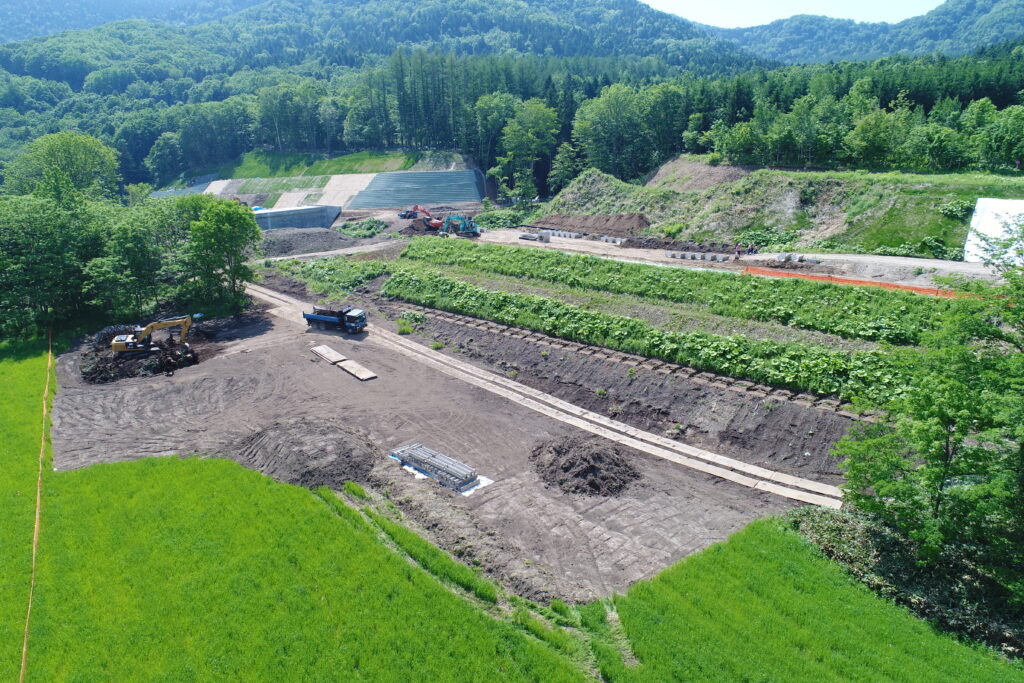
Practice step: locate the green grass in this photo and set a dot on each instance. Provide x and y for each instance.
(22, 375)
(279, 185)
(764, 606)
(264, 164)
(364, 162)
(435, 560)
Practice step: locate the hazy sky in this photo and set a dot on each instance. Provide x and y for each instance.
(732, 13)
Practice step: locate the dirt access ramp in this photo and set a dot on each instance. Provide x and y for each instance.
(549, 543)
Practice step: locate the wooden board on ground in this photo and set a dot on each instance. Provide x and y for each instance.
(356, 370)
(328, 354)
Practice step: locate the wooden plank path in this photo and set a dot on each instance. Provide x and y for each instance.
(350, 366)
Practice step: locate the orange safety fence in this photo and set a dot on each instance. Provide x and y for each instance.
(772, 272)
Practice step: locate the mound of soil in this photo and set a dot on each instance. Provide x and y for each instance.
(588, 465)
(100, 365)
(677, 245)
(617, 225)
(290, 241)
(309, 452)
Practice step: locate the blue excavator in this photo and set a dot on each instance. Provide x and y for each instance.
(459, 226)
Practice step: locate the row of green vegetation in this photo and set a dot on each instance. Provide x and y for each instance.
(291, 584)
(333, 277)
(271, 164)
(874, 376)
(851, 312)
(435, 561)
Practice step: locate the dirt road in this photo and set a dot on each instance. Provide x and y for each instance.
(898, 270)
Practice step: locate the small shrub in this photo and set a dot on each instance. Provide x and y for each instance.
(601, 392)
(404, 327)
(437, 345)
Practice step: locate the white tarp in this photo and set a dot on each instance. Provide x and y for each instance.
(990, 219)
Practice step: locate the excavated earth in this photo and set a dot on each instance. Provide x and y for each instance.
(617, 225)
(309, 452)
(763, 430)
(289, 241)
(586, 465)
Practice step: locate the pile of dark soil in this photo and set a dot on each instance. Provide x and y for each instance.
(588, 465)
(291, 241)
(617, 225)
(677, 245)
(309, 452)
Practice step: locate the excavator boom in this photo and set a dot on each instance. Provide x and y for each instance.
(141, 338)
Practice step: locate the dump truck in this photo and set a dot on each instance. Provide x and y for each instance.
(347, 319)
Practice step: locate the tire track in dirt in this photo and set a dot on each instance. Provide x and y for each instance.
(750, 476)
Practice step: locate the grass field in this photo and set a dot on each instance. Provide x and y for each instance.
(22, 374)
(186, 569)
(765, 607)
(263, 164)
(286, 184)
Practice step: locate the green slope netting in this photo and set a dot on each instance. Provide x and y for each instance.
(402, 189)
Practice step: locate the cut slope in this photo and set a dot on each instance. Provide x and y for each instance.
(850, 211)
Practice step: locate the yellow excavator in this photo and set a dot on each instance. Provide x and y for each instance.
(142, 338)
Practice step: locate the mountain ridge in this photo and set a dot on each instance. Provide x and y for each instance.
(954, 28)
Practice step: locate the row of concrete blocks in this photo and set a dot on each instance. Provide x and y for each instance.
(697, 256)
(612, 240)
(568, 235)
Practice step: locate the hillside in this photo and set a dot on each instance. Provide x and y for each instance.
(282, 32)
(22, 19)
(854, 211)
(956, 27)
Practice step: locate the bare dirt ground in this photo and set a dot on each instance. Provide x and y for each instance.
(537, 539)
(617, 225)
(289, 241)
(686, 175)
(894, 269)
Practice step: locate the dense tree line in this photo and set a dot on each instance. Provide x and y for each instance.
(72, 246)
(183, 101)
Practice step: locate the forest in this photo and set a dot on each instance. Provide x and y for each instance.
(955, 27)
(179, 102)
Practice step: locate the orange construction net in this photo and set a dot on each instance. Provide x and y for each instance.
(772, 272)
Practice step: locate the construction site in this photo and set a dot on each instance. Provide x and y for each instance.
(563, 469)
